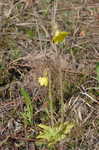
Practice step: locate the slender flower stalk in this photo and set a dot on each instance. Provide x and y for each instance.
(61, 93)
(50, 99)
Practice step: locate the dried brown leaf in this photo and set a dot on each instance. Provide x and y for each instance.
(82, 33)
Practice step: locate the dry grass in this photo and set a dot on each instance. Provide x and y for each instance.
(26, 50)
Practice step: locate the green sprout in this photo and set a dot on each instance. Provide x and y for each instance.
(27, 115)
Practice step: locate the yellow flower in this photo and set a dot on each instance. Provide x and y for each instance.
(59, 36)
(43, 81)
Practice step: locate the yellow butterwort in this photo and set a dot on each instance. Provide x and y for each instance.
(59, 36)
(43, 81)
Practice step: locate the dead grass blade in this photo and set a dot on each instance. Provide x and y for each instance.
(28, 3)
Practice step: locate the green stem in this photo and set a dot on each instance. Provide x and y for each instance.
(61, 93)
(51, 100)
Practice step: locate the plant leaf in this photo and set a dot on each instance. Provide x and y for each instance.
(55, 134)
(59, 36)
(68, 127)
(44, 127)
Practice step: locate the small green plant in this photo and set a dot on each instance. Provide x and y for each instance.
(54, 134)
(27, 115)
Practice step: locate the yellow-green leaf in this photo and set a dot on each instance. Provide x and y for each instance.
(44, 127)
(68, 127)
(59, 36)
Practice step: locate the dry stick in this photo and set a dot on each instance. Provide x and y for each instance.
(76, 7)
(54, 25)
(22, 138)
(1, 18)
(39, 35)
(86, 94)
